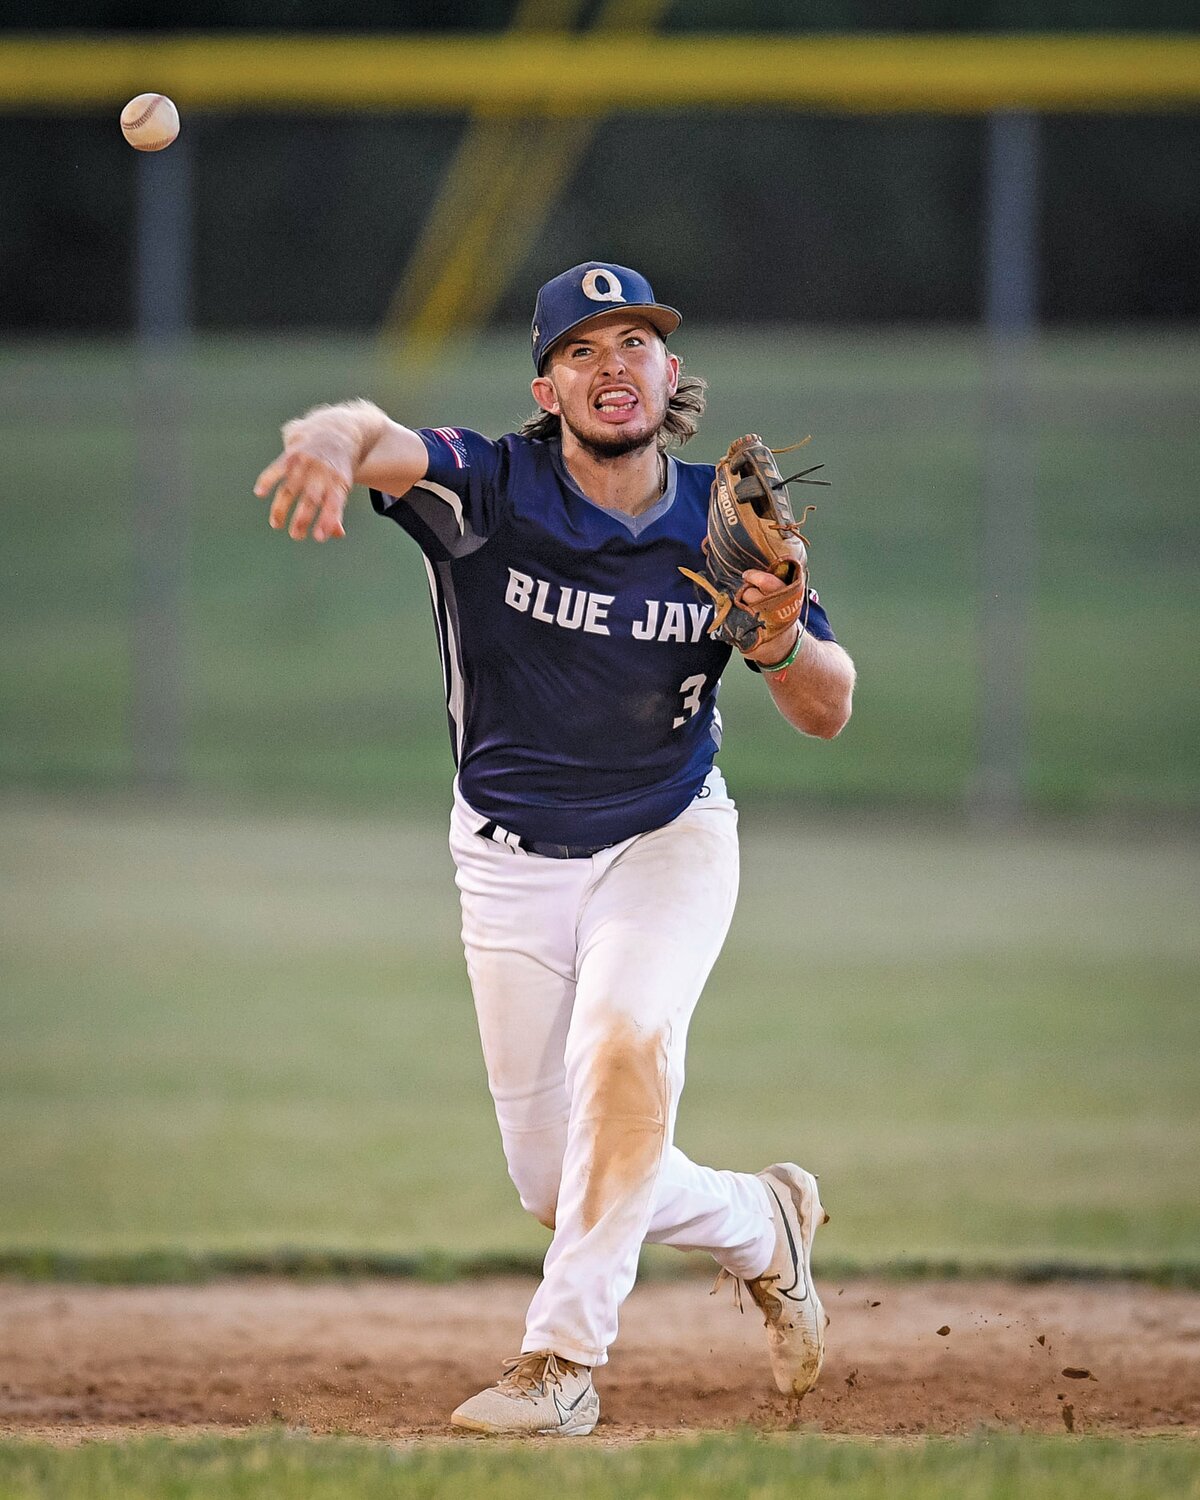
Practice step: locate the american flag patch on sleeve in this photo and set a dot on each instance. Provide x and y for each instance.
(453, 440)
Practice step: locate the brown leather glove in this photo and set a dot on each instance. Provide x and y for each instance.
(751, 525)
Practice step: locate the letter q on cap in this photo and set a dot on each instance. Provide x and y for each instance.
(610, 291)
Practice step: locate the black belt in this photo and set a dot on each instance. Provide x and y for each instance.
(498, 835)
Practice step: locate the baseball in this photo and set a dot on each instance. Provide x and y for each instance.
(150, 122)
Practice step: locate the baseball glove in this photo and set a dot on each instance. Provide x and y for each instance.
(751, 525)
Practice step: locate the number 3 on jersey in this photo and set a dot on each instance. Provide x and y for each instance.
(691, 688)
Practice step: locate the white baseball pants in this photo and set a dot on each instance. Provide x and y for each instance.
(585, 974)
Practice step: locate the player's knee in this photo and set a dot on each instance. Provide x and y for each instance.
(543, 1206)
(537, 1188)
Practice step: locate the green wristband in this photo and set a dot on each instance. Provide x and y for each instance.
(762, 666)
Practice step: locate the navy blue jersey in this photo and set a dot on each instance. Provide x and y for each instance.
(581, 682)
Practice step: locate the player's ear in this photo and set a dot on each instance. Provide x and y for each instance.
(545, 395)
(673, 368)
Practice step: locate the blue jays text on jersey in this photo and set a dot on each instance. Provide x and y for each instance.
(581, 682)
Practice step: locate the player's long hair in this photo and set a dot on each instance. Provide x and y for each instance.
(684, 410)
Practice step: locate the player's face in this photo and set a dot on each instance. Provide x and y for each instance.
(610, 383)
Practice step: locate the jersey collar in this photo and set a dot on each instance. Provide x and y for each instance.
(635, 525)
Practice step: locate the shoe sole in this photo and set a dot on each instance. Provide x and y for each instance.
(801, 1187)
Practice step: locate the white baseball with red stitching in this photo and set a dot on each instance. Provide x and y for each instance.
(149, 122)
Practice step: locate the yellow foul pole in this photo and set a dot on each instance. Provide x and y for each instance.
(495, 198)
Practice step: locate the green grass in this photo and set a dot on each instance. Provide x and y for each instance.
(984, 1467)
(232, 1031)
(175, 1267)
(311, 673)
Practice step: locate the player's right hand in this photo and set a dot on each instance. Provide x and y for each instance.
(308, 487)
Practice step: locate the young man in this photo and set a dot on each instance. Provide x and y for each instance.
(595, 843)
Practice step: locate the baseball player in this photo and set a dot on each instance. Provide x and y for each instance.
(594, 840)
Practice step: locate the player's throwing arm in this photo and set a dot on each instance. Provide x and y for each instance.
(326, 453)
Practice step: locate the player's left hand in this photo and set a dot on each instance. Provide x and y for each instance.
(759, 585)
(309, 487)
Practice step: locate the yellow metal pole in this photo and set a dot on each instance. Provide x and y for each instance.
(508, 175)
(488, 143)
(471, 258)
(554, 151)
(547, 169)
(553, 74)
(469, 178)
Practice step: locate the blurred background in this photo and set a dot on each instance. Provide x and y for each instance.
(960, 248)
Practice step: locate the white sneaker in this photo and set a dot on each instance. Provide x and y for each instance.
(784, 1293)
(539, 1392)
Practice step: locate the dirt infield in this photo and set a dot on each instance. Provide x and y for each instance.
(390, 1360)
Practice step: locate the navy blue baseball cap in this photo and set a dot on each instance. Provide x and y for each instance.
(584, 291)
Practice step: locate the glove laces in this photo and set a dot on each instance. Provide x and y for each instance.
(801, 476)
(792, 528)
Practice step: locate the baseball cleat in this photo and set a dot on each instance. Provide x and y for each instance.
(538, 1393)
(784, 1293)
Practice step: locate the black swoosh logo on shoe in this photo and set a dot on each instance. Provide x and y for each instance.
(797, 1263)
(564, 1412)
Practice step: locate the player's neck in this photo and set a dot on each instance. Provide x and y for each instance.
(629, 482)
